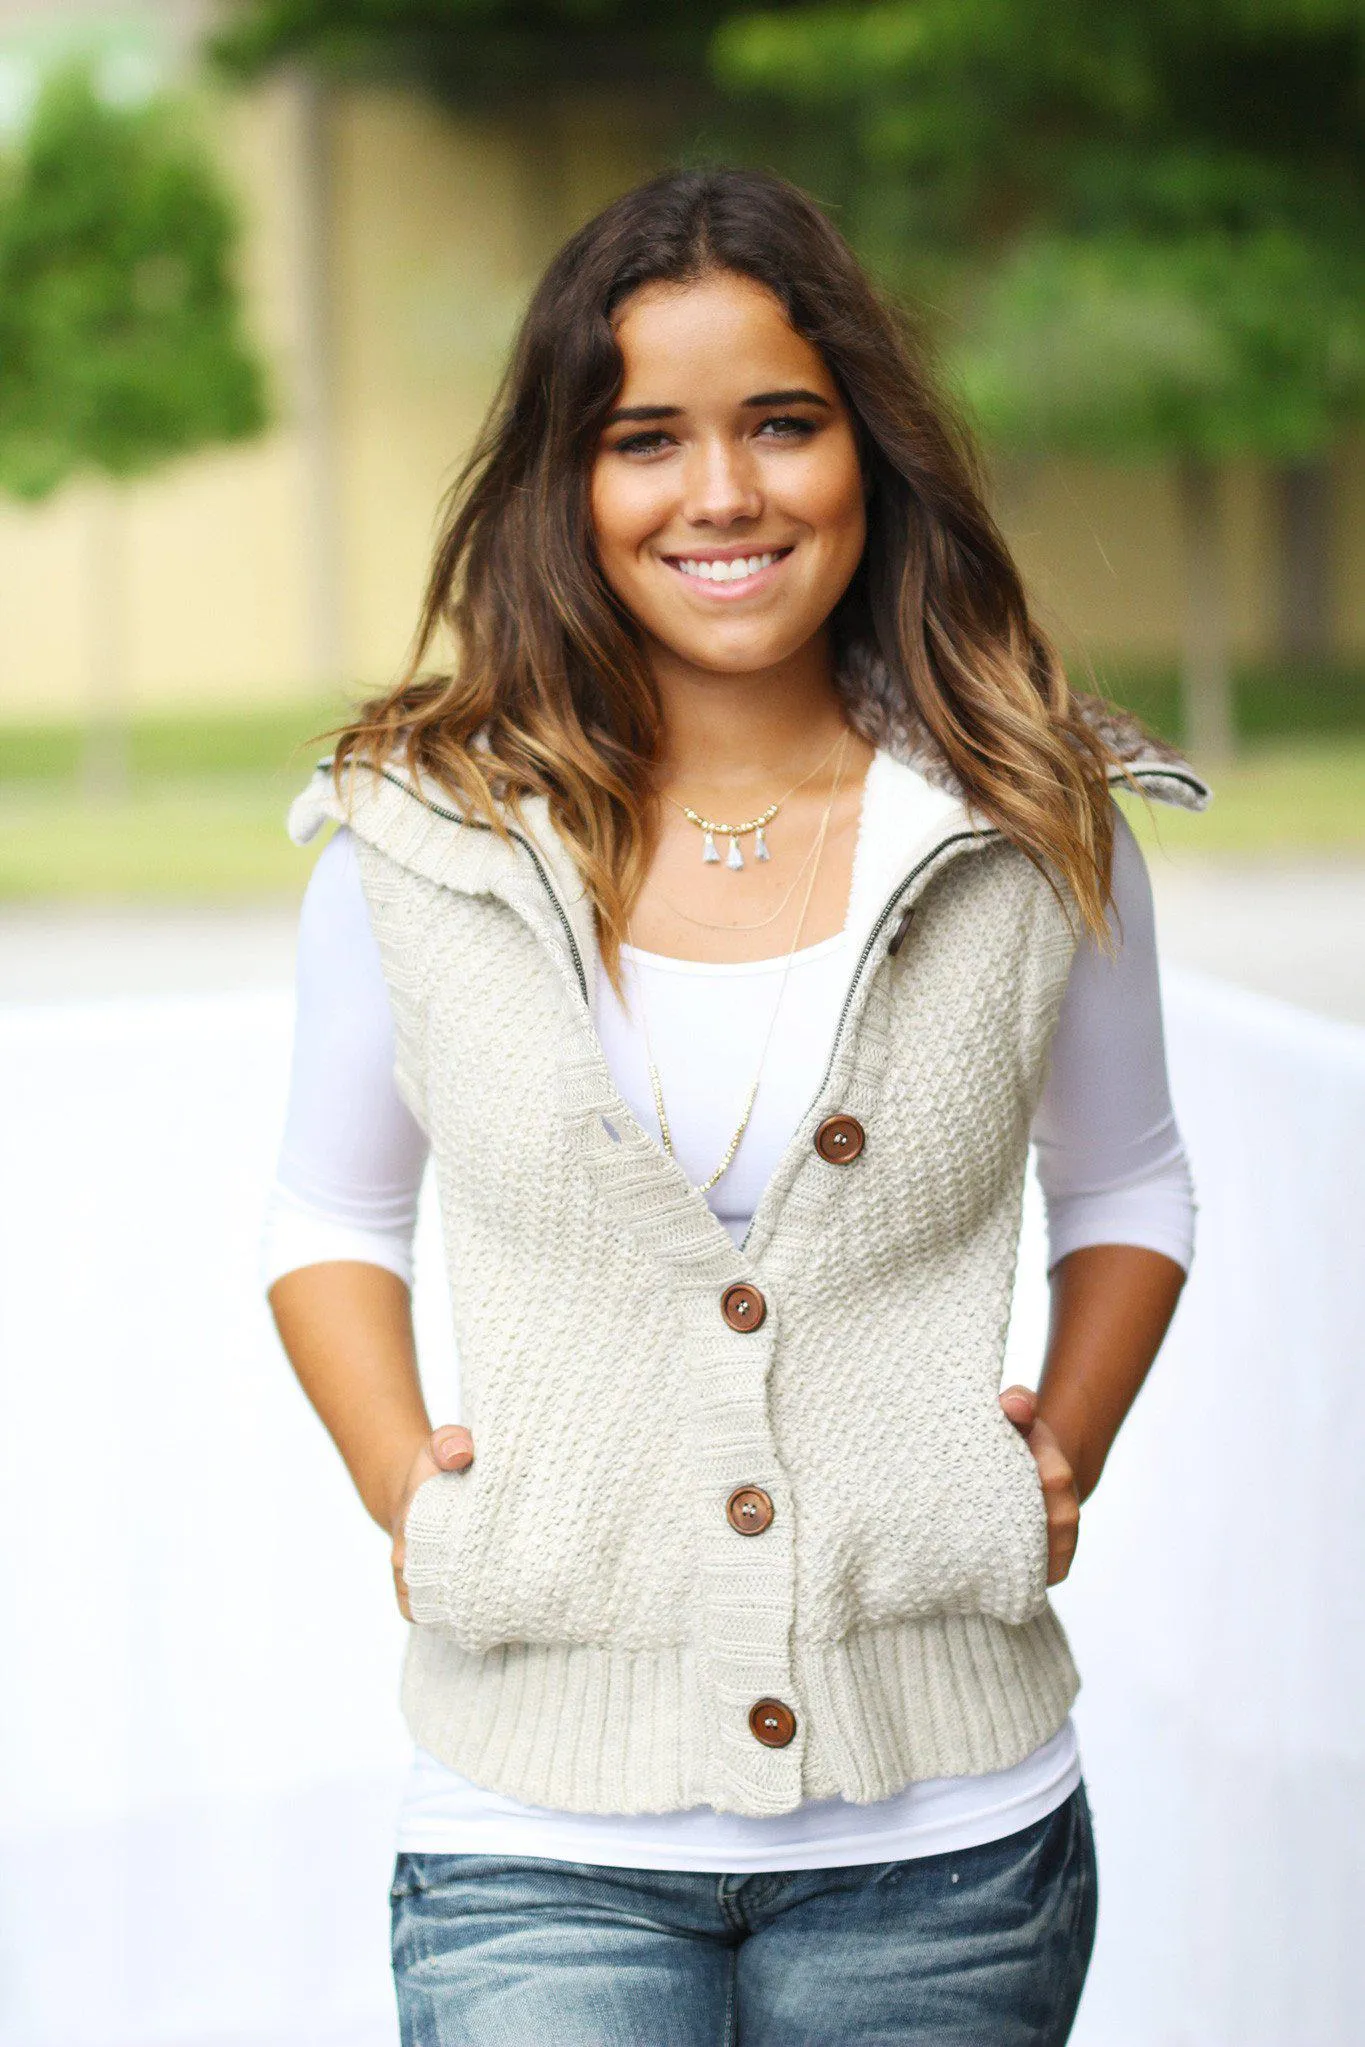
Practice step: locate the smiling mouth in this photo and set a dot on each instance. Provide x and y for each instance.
(737, 574)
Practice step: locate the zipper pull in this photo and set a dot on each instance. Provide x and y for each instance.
(907, 918)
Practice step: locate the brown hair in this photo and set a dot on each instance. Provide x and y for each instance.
(550, 692)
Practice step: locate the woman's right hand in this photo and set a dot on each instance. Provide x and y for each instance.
(449, 1448)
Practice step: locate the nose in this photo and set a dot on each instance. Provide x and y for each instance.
(721, 484)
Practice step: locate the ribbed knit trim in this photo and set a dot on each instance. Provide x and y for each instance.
(952, 1695)
(581, 1729)
(589, 1729)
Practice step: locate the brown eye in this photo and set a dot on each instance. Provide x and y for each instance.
(790, 427)
(641, 444)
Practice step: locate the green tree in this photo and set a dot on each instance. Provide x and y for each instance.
(1139, 226)
(120, 333)
(481, 52)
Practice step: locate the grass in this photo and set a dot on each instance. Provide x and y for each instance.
(204, 818)
(208, 841)
(1272, 701)
(1278, 798)
(179, 744)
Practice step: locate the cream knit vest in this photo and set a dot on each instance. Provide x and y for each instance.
(591, 1631)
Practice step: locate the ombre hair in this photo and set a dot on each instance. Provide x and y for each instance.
(548, 690)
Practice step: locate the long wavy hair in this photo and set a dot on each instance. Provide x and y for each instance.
(546, 688)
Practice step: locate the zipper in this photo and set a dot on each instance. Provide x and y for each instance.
(906, 881)
(869, 946)
(481, 825)
(874, 935)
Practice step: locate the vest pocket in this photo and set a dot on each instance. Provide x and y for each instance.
(1021, 1591)
(433, 1547)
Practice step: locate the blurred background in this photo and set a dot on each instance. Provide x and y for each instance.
(260, 262)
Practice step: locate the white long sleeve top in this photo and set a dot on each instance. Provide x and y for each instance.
(1109, 1159)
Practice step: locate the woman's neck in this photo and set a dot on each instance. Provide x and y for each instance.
(724, 735)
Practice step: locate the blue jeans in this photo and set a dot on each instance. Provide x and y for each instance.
(979, 1947)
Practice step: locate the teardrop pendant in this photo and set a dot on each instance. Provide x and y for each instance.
(708, 848)
(734, 858)
(761, 846)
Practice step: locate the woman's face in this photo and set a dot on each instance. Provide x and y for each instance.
(726, 494)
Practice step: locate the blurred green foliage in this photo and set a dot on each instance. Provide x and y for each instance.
(477, 52)
(120, 339)
(1139, 229)
(1210, 344)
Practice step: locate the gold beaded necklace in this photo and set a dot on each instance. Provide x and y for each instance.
(655, 1084)
(712, 828)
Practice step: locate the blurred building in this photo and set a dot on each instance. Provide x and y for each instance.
(387, 251)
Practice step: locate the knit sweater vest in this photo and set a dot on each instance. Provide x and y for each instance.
(590, 1631)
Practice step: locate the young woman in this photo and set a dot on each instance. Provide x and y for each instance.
(724, 918)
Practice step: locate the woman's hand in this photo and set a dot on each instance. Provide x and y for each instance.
(449, 1448)
(1059, 1480)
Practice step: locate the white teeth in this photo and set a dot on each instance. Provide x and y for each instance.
(727, 572)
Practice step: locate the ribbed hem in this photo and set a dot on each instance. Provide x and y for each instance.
(590, 1729)
(578, 1728)
(947, 1697)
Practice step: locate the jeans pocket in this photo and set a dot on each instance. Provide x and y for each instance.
(406, 1880)
(419, 1872)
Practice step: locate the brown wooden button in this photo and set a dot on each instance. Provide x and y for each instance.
(743, 1306)
(772, 1723)
(839, 1139)
(749, 1509)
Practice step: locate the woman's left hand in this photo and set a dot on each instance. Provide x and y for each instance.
(1059, 1481)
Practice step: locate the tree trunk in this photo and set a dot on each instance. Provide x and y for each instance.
(105, 775)
(1207, 680)
(1303, 508)
(314, 380)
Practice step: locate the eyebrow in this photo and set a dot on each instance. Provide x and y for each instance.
(794, 397)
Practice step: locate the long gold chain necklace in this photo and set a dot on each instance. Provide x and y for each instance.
(760, 923)
(655, 1084)
(713, 828)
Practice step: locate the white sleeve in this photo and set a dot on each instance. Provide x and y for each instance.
(1110, 1159)
(352, 1157)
